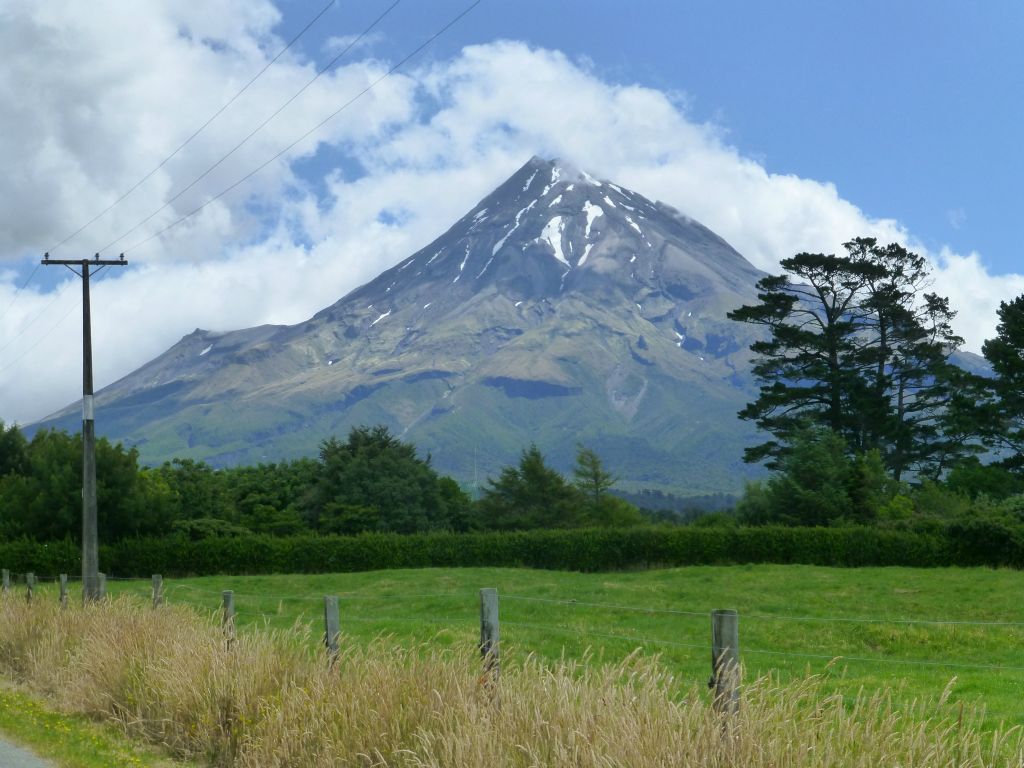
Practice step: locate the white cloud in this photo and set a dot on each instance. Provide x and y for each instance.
(974, 292)
(91, 105)
(339, 43)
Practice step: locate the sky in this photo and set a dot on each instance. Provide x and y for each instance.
(785, 127)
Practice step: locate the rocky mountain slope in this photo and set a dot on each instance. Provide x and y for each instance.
(560, 310)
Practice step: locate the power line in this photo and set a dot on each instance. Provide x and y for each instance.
(30, 323)
(199, 130)
(13, 361)
(17, 293)
(308, 133)
(257, 129)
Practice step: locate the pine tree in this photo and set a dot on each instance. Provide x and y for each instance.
(1006, 355)
(856, 345)
(594, 484)
(808, 365)
(592, 480)
(530, 495)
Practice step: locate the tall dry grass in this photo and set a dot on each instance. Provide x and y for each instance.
(168, 677)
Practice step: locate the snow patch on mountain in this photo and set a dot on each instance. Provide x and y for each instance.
(552, 234)
(485, 267)
(462, 266)
(515, 226)
(556, 173)
(586, 252)
(592, 211)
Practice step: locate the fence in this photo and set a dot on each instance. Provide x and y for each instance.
(723, 642)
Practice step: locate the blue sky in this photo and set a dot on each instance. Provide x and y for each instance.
(783, 126)
(913, 109)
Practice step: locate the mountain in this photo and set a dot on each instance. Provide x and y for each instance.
(560, 310)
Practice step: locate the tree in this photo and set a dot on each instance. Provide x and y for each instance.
(197, 489)
(374, 481)
(1005, 353)
(906, 339)
(856, 345)
(44, 500)
(591, 479)
(808, 365)
(819, 483)
(530, 495)
(594, 483)
(268, 498)
(13, 450)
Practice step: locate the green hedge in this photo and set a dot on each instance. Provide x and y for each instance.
(576, 550)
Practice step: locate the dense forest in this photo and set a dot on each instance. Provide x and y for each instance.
(370, 482)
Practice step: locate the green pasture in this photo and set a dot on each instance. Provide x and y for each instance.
(913, 629)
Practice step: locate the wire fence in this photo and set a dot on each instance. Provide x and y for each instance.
(529, 622)
(525, 625)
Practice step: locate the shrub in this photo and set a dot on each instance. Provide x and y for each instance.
(991, 542)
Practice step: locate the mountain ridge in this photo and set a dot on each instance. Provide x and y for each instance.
(559, 309)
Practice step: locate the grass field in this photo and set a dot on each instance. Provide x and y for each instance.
(913, 629)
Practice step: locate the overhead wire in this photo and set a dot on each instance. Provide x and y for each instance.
(13, 361)
(139, 183)
(29, 324)
(252, 173)
(354, 42)
(17, 293)
(310, 132)
(199, 130)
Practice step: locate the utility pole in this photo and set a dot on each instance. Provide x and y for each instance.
(90, 534)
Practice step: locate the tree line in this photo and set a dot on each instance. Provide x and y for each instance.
(866, 415)
(372, 481)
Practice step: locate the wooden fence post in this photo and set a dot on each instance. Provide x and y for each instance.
(332, 627)
(63, 590)
(5, 575)
(489, 634)
(158, 590)
(102, 586)
(725, 660)
(227, 619)
(30, 585)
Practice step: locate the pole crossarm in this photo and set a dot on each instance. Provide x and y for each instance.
(94, 261)
(91, 584)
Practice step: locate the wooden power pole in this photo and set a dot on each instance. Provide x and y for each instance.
(90, 534)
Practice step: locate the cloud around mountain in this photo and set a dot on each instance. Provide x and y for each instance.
(92, 108)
